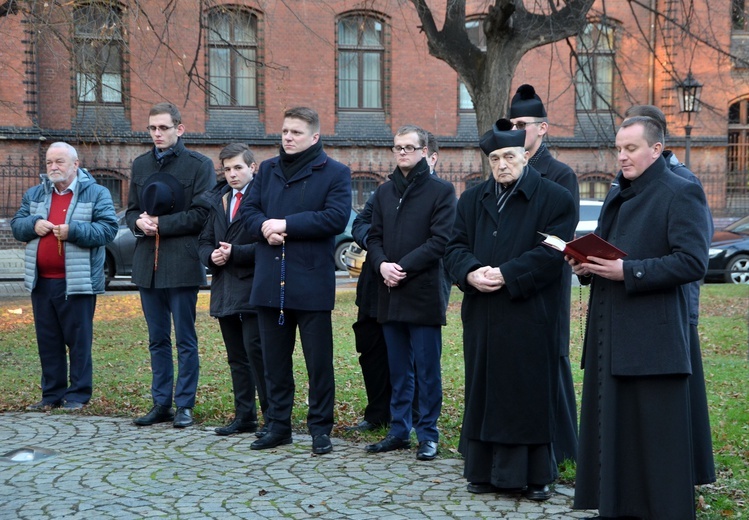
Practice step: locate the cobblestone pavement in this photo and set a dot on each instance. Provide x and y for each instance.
(104, 467)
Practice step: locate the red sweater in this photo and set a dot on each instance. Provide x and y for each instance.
(50, 256)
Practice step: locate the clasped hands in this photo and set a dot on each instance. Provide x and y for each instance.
(392, 273)
(274, 231)
(149, 224)
(221, 254)
(486, 279)
(43, 227)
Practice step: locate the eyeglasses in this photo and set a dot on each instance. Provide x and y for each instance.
(160, 128)
(408, 148)
(520, 125)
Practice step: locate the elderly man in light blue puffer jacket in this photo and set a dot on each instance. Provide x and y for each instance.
(65, 221)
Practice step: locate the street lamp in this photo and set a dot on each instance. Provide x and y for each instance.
(689, 92)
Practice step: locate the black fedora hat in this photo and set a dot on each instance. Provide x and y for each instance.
(162, 194)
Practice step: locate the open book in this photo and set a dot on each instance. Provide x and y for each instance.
(581, 248)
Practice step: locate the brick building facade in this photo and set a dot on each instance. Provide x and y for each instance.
(88, 72)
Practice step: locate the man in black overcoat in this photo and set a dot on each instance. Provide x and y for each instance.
(635, 457)
(511, 310)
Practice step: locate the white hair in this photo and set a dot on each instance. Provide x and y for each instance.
(71, 151)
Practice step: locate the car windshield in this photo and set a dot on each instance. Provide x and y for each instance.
(740, 226)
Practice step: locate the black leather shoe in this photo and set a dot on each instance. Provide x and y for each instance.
(480, 488)
(158, 414)
(262, 431)
(364, 426)
(321, 444)
(537, 493)
(42, 406)
(72, 406)
(237, 426)
(270, 440)
(427, 450)
(183, 417)
(389, 443)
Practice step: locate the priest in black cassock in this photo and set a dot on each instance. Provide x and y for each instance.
(511, 309)
(635, 458)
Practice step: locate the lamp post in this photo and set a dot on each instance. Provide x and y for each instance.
(689, 92)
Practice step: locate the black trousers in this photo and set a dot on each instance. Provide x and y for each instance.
(64, 328)
(244, 353)
(316, 334)
(373, 359)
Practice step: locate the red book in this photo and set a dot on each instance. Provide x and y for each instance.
(581, 248)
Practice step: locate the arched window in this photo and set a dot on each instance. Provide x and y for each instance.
(594, 81)
(737, 177)
(594, 185)
(232, 58)
(98, 53)
(361, 54)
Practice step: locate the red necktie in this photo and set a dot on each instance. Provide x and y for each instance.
(236, 205)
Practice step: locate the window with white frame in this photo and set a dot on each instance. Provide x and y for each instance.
(232, 58)
(361, 54)
(98, 53)
(595, 68)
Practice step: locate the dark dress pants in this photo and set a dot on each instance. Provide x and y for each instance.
(373, 359)
(160, 306)
(316, 334)
(420, 345)
(64, 321)
(241, 334)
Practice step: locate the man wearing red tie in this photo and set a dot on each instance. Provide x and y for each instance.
(225, 247)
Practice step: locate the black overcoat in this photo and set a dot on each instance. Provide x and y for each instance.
(231, 283)
(178, 262)
(635, 456)
(316, 204)
(412, 230)
(510, 340)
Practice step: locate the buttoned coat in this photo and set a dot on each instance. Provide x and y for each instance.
(660, 224)
(178, 262)
(316, 204)
(510, 340)
(231, 283)
(412, 230)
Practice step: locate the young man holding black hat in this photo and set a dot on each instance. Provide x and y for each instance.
(527, 113)
(512, 301)
(166, 211)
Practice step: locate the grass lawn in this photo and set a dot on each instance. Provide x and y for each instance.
(122, 375)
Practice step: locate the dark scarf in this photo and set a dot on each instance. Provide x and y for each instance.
(537, 156)
(402, 182)
(161, 155)
(505, 191)
(291, 164)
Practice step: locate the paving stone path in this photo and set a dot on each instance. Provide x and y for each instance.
(106, 468)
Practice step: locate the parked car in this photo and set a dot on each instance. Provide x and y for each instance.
(590, 209)
(119, 258)
(729, 254)
(342, 243)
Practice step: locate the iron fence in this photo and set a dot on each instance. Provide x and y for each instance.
(727, 192)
